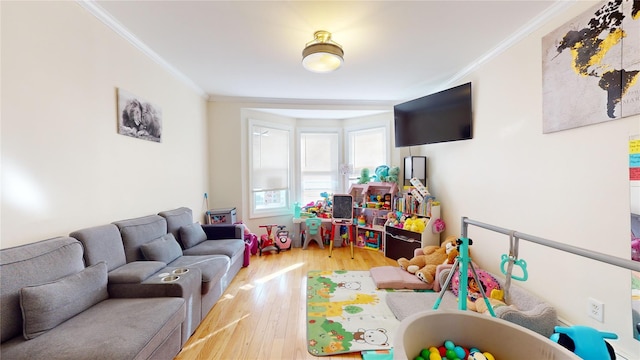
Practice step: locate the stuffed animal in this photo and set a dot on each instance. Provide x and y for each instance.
(489, 285)
(364, 176)
(392, 219)
(480, 306)
(424, 266)
(382, 172)
(415, 224)
(394, 173)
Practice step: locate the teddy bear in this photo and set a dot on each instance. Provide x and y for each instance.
(424, 266)
(392, 219)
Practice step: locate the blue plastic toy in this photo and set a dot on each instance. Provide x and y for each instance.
(588, 343)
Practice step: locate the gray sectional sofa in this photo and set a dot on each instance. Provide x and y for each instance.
(131, 289)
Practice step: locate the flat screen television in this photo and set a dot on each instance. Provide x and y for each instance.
(439, 117)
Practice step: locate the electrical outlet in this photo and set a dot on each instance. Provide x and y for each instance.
(595, 309)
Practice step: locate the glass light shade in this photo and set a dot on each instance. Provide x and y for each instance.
(322, 55)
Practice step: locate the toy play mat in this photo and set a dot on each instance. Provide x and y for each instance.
(347, 313)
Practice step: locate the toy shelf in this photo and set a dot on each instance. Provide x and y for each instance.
(400, 242)
(369, 225)
(362, 192)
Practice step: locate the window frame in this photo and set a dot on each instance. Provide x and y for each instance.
(279, 211)
(353, 178)
(317, 130)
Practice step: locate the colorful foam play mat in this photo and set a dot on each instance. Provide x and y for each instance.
(347, 313)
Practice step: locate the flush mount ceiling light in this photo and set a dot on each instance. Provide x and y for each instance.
(322, 55)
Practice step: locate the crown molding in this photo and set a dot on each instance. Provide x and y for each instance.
(523, 32)
(96, 10)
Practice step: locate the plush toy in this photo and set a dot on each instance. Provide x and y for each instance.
(401, 221)
(382, 172)
(487, 281)
(424, 266)
(394, 173)
(392, 219)
(415, 224)
(480, 306)
(364, 176)
(407, 223)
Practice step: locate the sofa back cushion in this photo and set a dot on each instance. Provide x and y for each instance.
(32, 264)
(165, 249)
(176, 219)
(139, 231)
(48, 305)
(102, 243)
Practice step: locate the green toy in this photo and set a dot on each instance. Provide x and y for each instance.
(364, 176)
(394, 172)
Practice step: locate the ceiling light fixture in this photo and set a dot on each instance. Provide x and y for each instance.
(322, 55)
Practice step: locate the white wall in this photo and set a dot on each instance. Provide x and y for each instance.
(64, 167)
(570, 187)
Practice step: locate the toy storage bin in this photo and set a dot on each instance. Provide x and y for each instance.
(501, 338)
(222, 216)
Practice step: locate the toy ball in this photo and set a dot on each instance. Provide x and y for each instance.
(477, 356)
(460, 353)
(442, 350)
(488, 356)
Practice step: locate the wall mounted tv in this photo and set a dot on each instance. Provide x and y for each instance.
(439, 117)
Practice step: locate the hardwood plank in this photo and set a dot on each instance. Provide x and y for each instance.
(263, 312)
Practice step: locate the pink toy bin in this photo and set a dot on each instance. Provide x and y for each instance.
(501, 338)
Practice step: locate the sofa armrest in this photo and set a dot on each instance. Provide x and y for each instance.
(186, 286)
(223, 231)
(135, 272)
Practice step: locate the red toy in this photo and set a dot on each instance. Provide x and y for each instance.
(268, 240)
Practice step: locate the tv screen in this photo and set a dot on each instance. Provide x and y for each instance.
(439, 117)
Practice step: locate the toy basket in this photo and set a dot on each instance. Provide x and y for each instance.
(501, 338)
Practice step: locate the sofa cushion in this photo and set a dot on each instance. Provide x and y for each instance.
(164, 249)
(192, 235)
(139, 231)
(102, 243)
(393, 277)
(232, 248)
(112, 329)
(23, 265)
(176, 219)
(46, 306)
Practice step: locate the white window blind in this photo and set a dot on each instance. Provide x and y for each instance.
(319, 160)
(270, 169)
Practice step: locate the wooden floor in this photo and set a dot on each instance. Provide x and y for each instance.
(262, 314)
